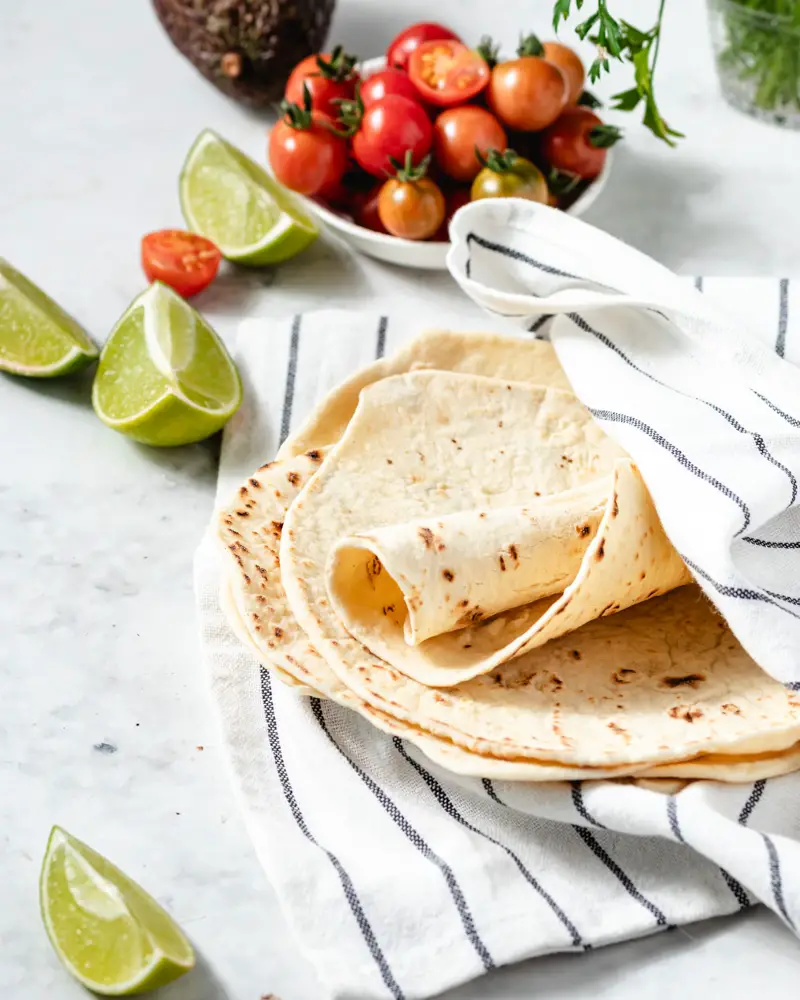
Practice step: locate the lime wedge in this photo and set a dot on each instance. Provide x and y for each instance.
(164, 377)
(229, 199)
(114, 938)
(37, 338)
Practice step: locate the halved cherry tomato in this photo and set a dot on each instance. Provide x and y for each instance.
(387, 81)
(446, 72)
(458, 132)
(576, 143)
(389, 128)
(569, 62)
(507, 175)
(304, 152)
(528, 93)
(184, 261)
(329, 78)
(407, 41)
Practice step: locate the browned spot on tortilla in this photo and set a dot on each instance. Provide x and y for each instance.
(449, 575)
(499, 423)
(242, 491)
(512, 551)
(247, 579)
(469, 617)
(601, 550)
(653, 592)
(293, 478)
(609, 609)
(334, 642)
(576, 654)
(463, 604)
(536, 493)
(556, 723)
(277, 528)
(267, 466)
(566, 458)
(689, 680)
(255, 484)
(314, 455)
(497, 679)
(421, 456)
(389, 461)
(643, 574)
(582, 530)
(277, 632)
(261, 571)
(228, 520)
(622, 676)
(374, 567)
(555, 682)
(388, 609)
(243, 513)
(440, 698)
(502, 562)
(730, 709)
(260, 599)
(467, 645)
(619, 731)
(278, 494)
(685, 712)
(615, 505)
(481, 515)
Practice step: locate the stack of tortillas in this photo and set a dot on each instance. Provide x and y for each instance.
(453, 548)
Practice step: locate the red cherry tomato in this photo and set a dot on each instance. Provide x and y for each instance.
(387, 81)
(329, 78)
(569, 62)
(407, 41)
(456, 134)
(184, 261)
(577, 142)
(412, 210)
(390, 128)
(527, 93)
(305, 155)
(446, 72)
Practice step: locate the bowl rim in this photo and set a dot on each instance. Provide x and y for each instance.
(346, 225)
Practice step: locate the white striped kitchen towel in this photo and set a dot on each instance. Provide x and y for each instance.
(400, 880)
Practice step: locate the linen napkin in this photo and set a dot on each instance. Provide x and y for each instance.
(399, 879)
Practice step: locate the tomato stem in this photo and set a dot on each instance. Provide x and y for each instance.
(406, 172)
(296, 116)
(338, 67)
(529, 45)
(489, 51)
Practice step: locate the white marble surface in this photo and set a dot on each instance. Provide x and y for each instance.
(97, 534)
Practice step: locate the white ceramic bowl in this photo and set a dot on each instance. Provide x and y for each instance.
(419, 253)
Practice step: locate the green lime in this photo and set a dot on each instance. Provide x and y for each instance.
(37, 338)
(164, 377)
(114, 938)
(229, 199)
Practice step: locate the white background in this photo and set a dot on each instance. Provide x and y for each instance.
(96, 535)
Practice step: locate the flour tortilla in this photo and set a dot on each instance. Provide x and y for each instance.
(249, 532)
(515, 358)
(663, 681)
(379, 583)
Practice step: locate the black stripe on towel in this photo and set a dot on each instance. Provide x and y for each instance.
(446, 803)
(517, 255)
(380, 340)
(741, 593)
(599, 851)
(735, 887)
(624, 418)
(539, 322)
(772, 545)
(418, 842)
(758, 440)
(580, 805)
(347, 884)
(291, 376)
(776, 880)
(776, 409)
(672, 816)
(752, 800)
(783, 317)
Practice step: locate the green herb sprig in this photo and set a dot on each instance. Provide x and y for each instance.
(620, 40)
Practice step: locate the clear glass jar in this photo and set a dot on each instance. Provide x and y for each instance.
(757, 50)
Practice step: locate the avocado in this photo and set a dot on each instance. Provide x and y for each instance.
(246, 48)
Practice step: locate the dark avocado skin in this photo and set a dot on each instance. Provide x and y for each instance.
(246, 48)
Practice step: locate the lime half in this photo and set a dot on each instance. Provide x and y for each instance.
(112, 936)
(37, 338)
(164, 377)
(233, 202)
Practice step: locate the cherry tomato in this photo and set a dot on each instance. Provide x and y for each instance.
(407, 41)
(528, 93)
(389, 128)
(412, 210)
(184, 261)
(577, 143)
(329, 78)
(456, 134)
(364, 209)
(305, 154)
(507, 175)
(446, 72)
(569, 62)
(387, 81)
